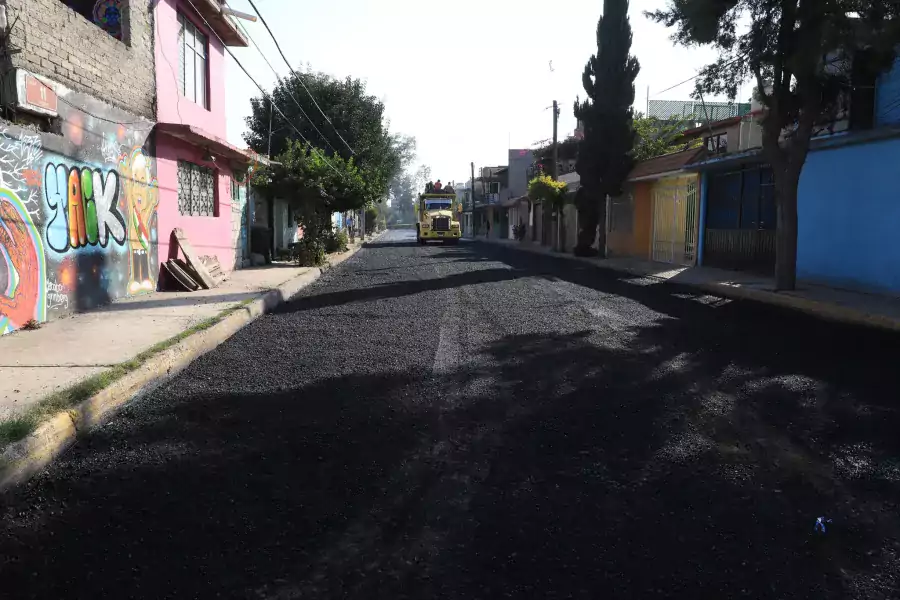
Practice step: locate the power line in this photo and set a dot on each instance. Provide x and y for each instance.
(297, 77)
(699, 73)
(260, 88)
(303, 112)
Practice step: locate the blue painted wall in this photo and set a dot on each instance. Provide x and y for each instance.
(887, 97)
(849, 217)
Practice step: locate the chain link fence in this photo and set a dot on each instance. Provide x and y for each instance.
(667, 110)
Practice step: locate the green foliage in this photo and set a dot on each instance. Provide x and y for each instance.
(313, 187)
(802, 55)
(656, 137)
(605, 154)
(371, 217)
(336, 241)
(356, 115)
(566, 150)
(310, 252)
(547, 191)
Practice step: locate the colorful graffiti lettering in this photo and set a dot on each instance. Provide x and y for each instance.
(85, 205)
(22, 292)
(141, 199)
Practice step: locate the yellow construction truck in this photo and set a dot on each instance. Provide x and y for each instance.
(436, 219)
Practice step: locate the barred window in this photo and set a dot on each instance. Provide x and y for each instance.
(196, 190)
(192, 62)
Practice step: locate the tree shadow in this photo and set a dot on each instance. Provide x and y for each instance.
(396, 290)
(546, 466)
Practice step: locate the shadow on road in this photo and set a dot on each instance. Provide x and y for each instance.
(399, 289)
(690, 462)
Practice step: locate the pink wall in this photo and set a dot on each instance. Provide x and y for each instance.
(207, 235)
(172, 107)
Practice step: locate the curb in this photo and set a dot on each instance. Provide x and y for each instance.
(830, 312)
(27, 457)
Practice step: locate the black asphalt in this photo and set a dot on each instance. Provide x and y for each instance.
(476, 422)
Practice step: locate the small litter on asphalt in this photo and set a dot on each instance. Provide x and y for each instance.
(820, 524)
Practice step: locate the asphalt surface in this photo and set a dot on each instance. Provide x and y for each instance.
(477, 422)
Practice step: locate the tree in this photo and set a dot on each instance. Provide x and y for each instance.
(403, 192)
(355, 120)
(656, 137)
(799, 53)
(605, 154)
(314, 186)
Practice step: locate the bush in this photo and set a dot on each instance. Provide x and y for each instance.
(371, 216)
(310, 252)
(519, 231)
(336, 241)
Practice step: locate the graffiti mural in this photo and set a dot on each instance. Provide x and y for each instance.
(22, 266)
(141, 200)
(85, 207)
(78, 222)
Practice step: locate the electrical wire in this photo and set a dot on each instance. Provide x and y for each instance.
(260, 88)
(699, 73)
(286, 89)
(278, 46)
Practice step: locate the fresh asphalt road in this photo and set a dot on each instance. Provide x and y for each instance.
(476, 422)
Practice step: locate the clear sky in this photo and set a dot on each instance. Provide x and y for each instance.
(469, 79)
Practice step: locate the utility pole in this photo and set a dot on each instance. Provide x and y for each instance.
(472, 199)
(559, 210)
(269, 151)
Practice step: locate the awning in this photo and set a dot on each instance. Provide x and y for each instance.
(215, 145)
(221, 23)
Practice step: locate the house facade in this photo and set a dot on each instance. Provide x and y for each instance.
(201, 176)
(79, 191)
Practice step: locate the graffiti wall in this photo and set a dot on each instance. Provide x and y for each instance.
(77, 218)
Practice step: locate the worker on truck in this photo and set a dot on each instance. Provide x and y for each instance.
(436, 219)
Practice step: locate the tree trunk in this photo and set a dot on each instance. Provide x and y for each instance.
(601, 226)
(786, 186)
(587, 223)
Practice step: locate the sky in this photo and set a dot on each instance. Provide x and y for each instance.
(469, 80)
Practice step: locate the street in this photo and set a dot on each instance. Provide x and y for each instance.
(475, 422)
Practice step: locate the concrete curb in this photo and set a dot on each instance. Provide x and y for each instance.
(27, 457)
(822, 310)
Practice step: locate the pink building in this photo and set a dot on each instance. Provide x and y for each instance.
(197, 169)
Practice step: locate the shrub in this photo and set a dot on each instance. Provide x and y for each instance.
(336, 241)
(310, 252)
(519, 231)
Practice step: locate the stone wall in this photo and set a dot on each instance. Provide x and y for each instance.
(59, 43)
(78, 212)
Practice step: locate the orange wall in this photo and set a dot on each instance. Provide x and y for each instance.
(643, 219)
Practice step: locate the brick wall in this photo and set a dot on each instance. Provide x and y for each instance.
(62, 45)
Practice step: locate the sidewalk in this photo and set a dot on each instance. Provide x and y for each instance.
(64, 352)
(845, 306)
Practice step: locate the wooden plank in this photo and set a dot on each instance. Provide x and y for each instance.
(179, 276)
(193, 260)
(190, 271)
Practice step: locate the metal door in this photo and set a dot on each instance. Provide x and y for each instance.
(675, 208)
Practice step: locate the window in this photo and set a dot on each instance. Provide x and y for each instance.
(192, 62)
(196, 190)
(717, 144)
(105, 14)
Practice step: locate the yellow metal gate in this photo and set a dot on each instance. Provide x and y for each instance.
(675, 208)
